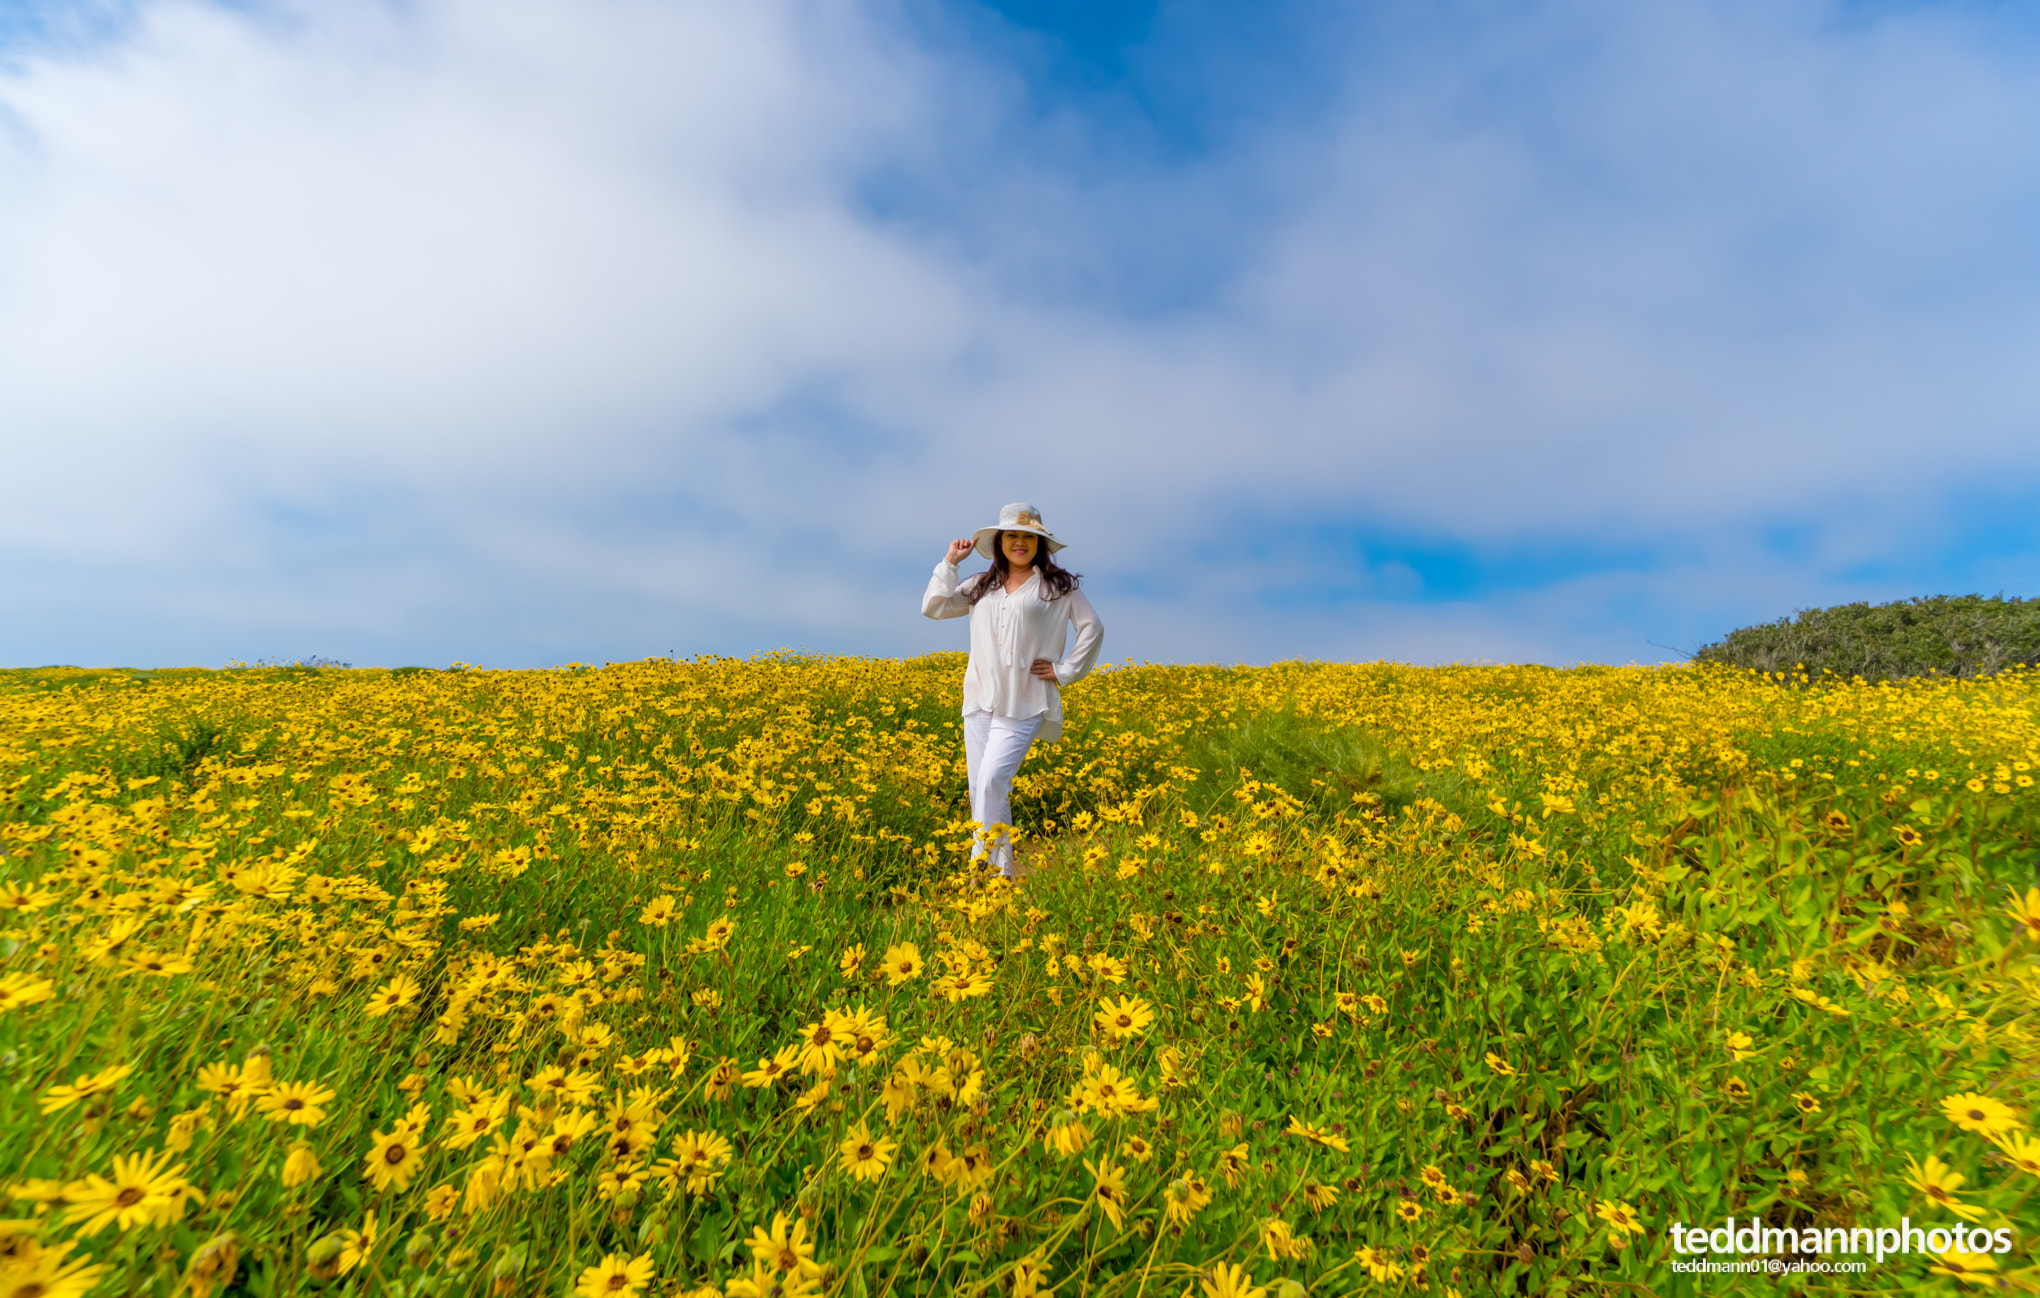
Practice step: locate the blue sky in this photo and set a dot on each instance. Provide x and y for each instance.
(530, 331)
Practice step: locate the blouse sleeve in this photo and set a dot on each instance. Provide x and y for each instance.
(942, 600)
(1083, 655)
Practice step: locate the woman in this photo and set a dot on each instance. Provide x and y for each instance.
(1020, 610)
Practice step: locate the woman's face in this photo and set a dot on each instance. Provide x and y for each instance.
(1019, 548)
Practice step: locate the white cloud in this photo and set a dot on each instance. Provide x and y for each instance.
(530, 330)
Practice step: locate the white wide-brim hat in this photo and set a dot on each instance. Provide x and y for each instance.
(1016, 517)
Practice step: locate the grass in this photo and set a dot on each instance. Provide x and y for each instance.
(1460, 979)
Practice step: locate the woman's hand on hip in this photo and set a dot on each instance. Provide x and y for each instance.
(959, 550)
(1043, 670)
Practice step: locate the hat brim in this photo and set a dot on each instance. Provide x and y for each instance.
(986, 539)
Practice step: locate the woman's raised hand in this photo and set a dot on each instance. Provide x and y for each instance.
(960, 549)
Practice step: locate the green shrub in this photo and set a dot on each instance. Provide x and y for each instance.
(1941, 635)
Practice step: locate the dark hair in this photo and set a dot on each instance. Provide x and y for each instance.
(1056, 581)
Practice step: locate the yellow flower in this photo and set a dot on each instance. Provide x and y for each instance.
(658, 912)
(1982, 1114)
(864, 1156)
(213, 1265)
(812, 1097)
(764, 1282)
(1184, 1198)
(83, 1088)
(902, 964)
(699, 1158)
(567, 1131)
(937, 1163)
(298, 1103)
(1500, 1066)
(47, 1272)
(1739, 1046)
(239, 1084)
(302, 1165)
(2026, 910)
(356, 1245)
(1109, 969)
(478, 1120)
(1234, 1164)
(1281, 1242)
(1970, 1268)
(1257, 993)
(394, 1160)
(19, 989)
(964, 986)
(145, 1189)
(822, 1044)
(617, 1277)
(1938, 1182)
(1105, 1090)
(973, 1167)
(1379, 1265)
(398, 993)
(1028, 1276)
(1068, 1137)
(1621, 1218)
(1108, 1189)
(1229, 1281)
(2023, 1150)
(155, 964)
(1317, 1135)
(722, 1079)
(771, 1070)
(1126, 1017)
(185, 1125)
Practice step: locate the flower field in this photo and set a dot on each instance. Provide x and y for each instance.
(674, 978)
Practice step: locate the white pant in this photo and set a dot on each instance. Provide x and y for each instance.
(993, 747)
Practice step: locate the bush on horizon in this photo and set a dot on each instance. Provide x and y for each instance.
(1964, 636)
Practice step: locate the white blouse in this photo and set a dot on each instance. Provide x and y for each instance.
(1007, 633)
